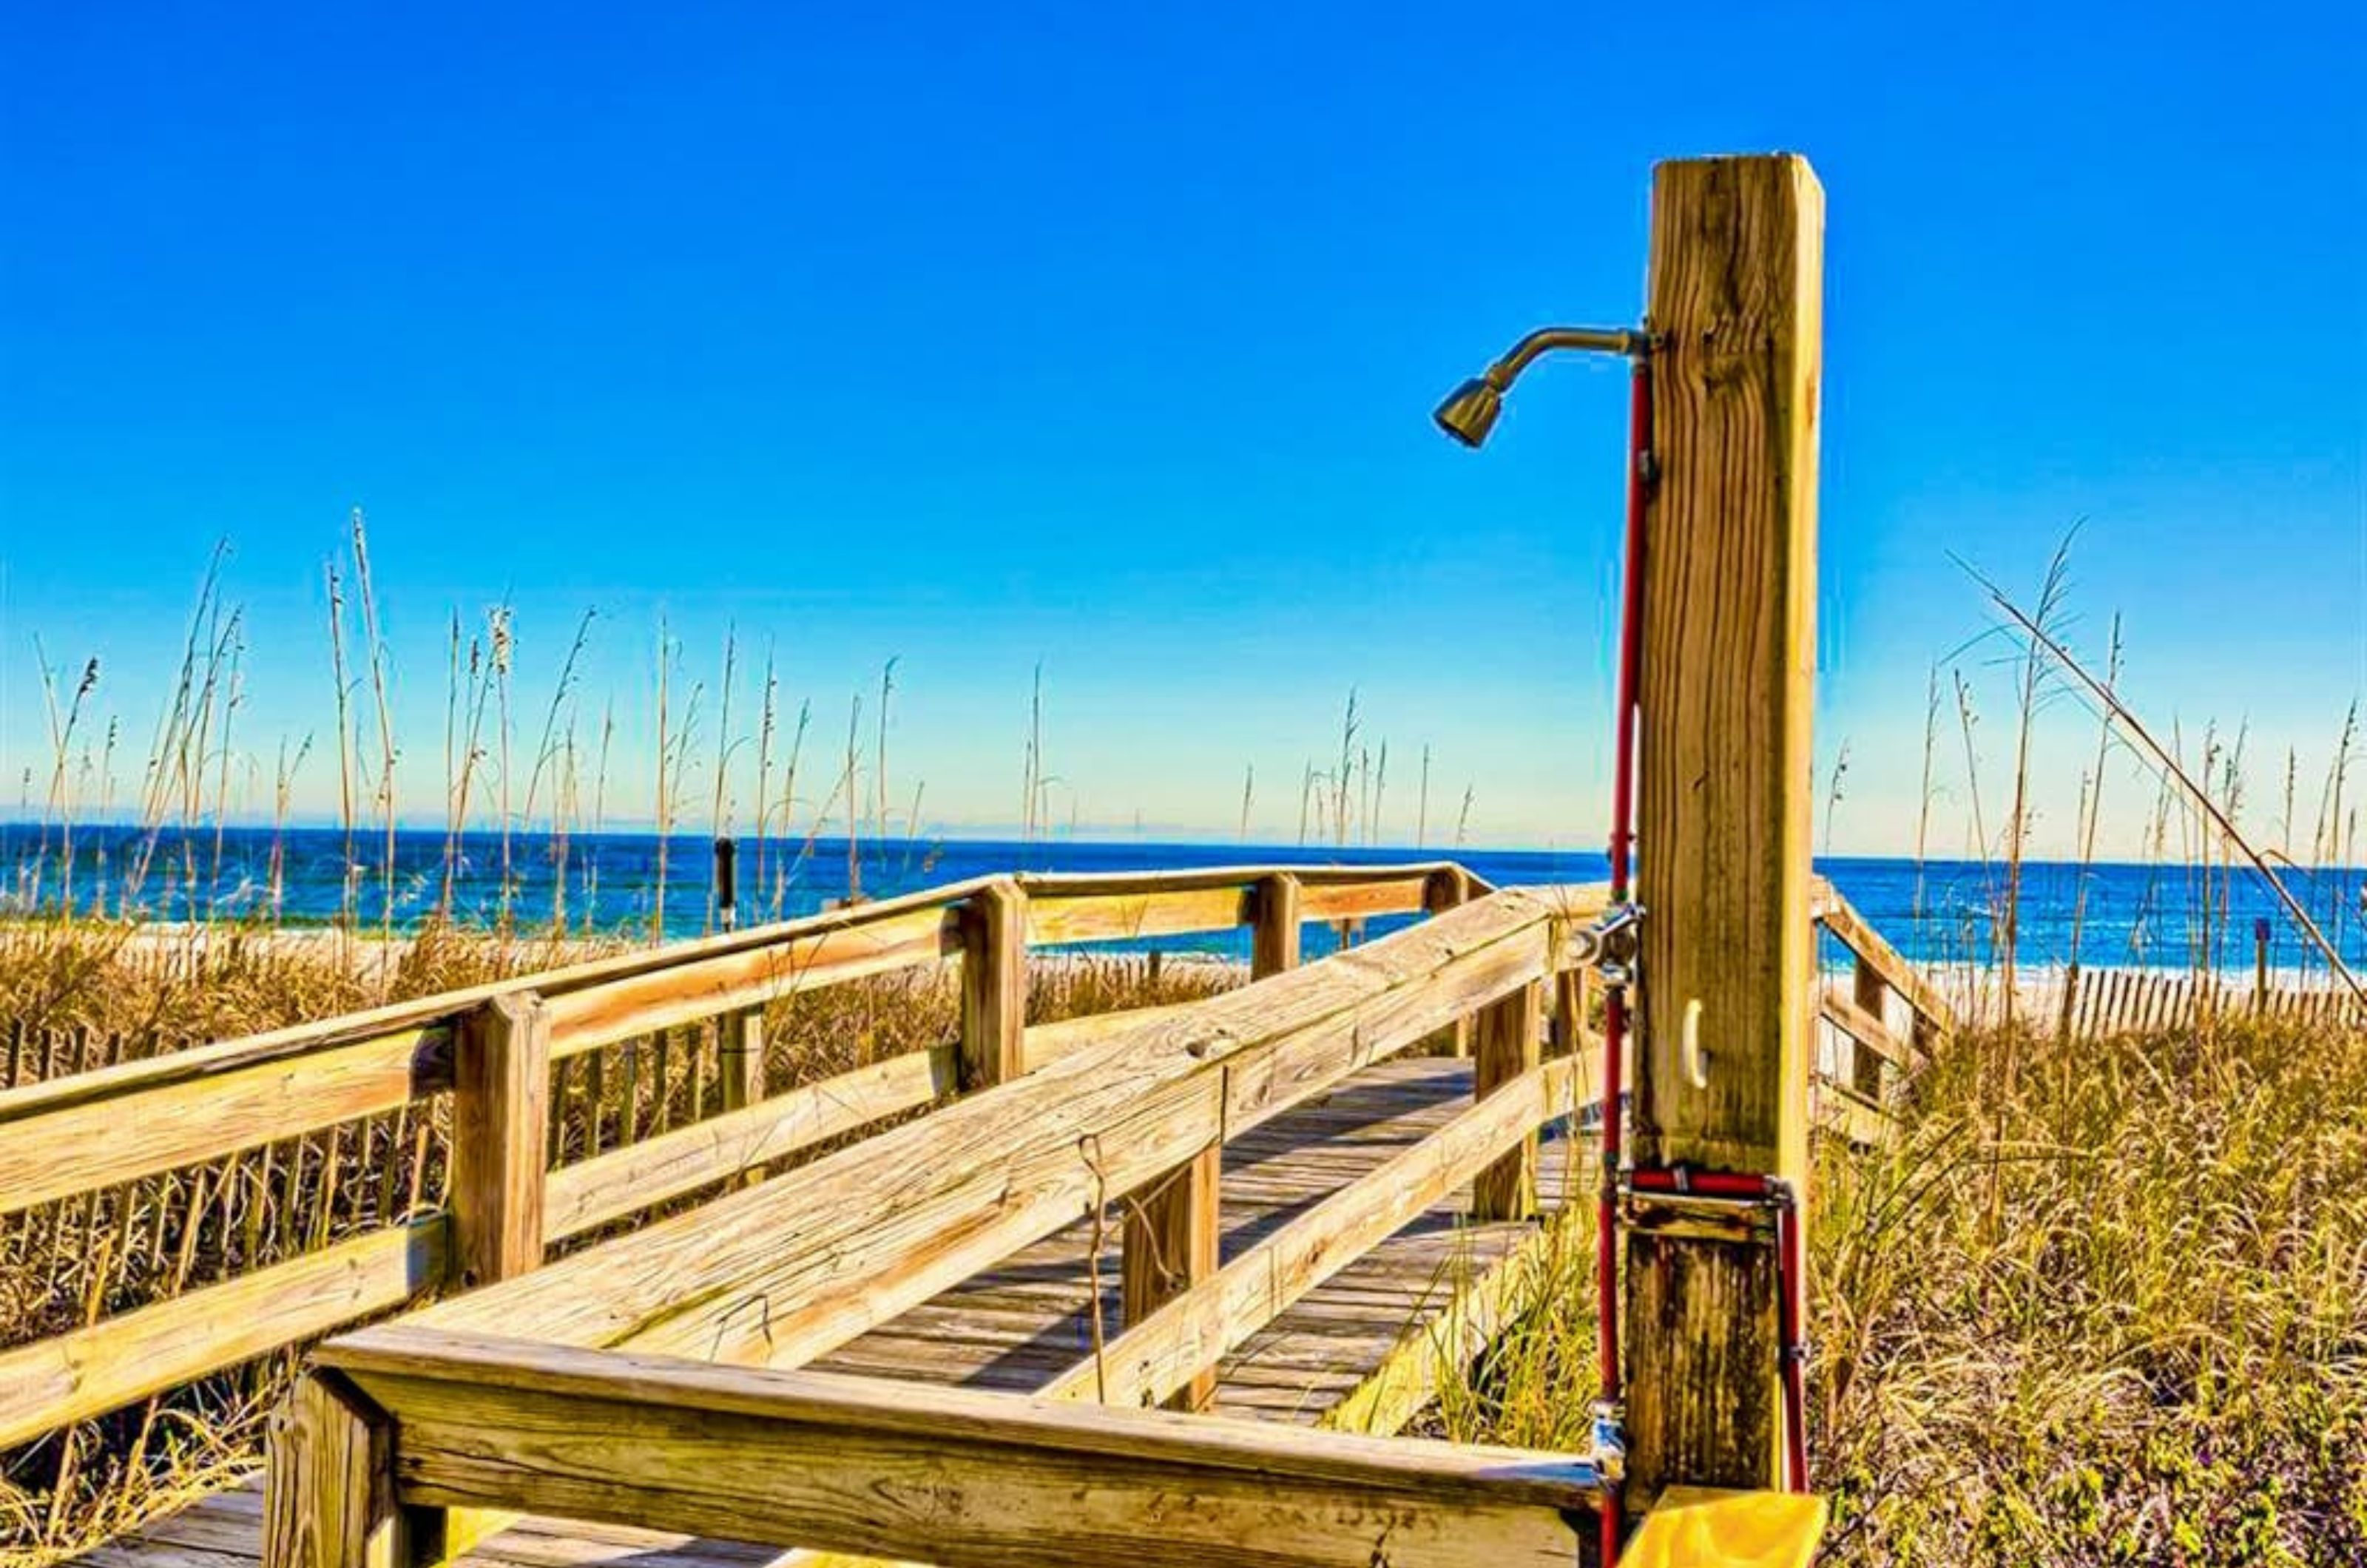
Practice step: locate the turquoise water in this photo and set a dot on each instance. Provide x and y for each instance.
(2135, 915)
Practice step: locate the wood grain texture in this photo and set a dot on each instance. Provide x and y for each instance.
(875, 939)
(1045, 1043)
(329, 1498)
(949, 1476)
(1278, 916)
(739, 1054)
(993, 928)
(1363, 900)
(1509, 1042)
(605, 1187)
(812, 1258)
(1724, 800)
(1874, 1042)
(1171, 1242)
(501, 1125)
(1448, 887)
(63, 1143)
(73, 1376)
(1106, 917)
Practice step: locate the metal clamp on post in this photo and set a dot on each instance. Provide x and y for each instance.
(1712, 1204)
(1609, 946)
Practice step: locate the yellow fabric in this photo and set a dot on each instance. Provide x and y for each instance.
(1699, 1528)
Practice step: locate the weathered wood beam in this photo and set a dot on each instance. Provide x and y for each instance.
(1448, 887)
(87, 1372)
(501, 1120)
(1171, 1242)
(1110, 917)
(61, 1144)
(739, 1052)
(607, 1186)
(993, 934)
(1724, 803)
(1279, 915)
(952, 1476)
(1838, 915)
(329, 1494)
(1510, 1045)
(696, 988)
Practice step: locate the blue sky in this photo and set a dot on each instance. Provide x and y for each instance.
(1105, 337)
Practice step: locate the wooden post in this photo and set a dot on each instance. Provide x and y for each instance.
(1446, 889)
(742, 1049)
(1172, 1237)
(1573, 997)
(1729, 600)
(1872, 994)
(1174, 1227)
(1274, 939)
(501, 1089)
(328, 1498)
(1508, 1046)
(994, 986)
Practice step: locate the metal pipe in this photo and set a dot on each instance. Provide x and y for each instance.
(1621, 853)
(1546, 339)
(1469, 412)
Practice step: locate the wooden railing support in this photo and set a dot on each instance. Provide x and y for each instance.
(994, 985)
(1274, 934)
(1446, 889)
(500, 1119)
(1872, 994)
(329, 1492)
(741, 1050)
(1172, 1239)
(1508, 1048)
(500, 1125)
(1730, 592)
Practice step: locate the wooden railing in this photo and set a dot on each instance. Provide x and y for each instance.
(449, 1099)
(447, 1102)
(641, 1338)
(1891, 1020)
(631, 1382)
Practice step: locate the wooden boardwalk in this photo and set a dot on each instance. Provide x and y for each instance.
(1358, 1351)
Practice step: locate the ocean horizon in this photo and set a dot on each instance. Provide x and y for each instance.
(2166, 914)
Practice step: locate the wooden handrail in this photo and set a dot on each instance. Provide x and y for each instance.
(77, 1135)
(809, 1457)
(433, 1018)
(1839, 916)
(92, 1132)
(886, 1223)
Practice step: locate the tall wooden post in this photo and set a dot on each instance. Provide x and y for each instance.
(1729, 637)
(994, 986)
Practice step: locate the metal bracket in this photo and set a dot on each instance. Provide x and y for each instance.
(1610, 944)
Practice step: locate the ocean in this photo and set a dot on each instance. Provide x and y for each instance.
(2166, 915)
